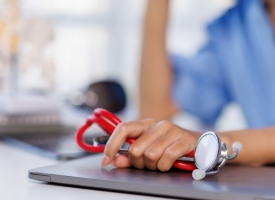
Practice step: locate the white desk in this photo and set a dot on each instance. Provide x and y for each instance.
(14, 182)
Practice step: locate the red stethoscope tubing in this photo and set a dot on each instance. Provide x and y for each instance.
(108, 122)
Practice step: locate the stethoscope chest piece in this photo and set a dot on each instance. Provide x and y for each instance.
(211, 154)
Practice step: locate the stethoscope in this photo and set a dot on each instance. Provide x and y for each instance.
(209, 156)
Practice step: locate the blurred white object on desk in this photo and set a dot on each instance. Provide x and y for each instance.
(35, 59)
(29, 113)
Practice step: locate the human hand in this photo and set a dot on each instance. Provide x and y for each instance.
(158, 144)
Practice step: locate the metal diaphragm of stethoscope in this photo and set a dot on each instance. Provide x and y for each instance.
(208, 157)
(210, 154)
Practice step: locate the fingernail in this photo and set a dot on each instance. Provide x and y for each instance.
(105, 161)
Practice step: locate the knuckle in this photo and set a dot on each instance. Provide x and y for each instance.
(123, 127)
(134, 151)
(150, 154)
(170, 154)
(149, 120)
(165, 124)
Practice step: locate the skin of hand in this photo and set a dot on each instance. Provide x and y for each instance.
(157, 146)
(159, 143)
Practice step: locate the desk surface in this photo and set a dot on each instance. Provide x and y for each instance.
(14, 182)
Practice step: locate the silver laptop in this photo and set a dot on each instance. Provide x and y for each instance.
(233, 182)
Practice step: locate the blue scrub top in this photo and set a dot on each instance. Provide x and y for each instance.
(236, 65)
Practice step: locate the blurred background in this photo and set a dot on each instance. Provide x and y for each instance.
(57, 49)
(93, 40)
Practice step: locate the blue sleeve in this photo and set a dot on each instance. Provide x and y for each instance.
(199, 86)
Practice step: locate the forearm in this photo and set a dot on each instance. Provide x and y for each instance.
(155, 72)
(258, 145)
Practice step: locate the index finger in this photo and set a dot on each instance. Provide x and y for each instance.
(121, 133)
